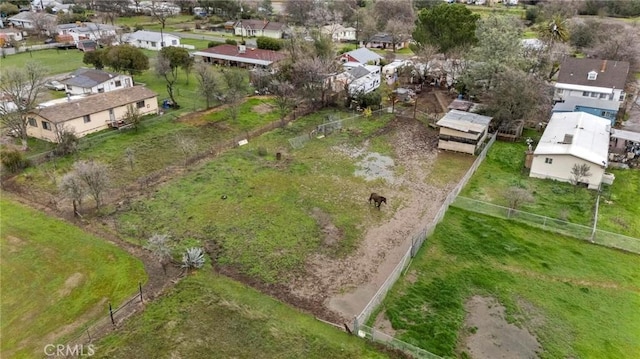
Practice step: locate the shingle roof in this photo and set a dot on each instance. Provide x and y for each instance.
(29, 16)
(590, 139)
(364, 55)
(87, 78)
(464, 121)
(575, 71)
(250, 55)
(255, 24)
(95, 103)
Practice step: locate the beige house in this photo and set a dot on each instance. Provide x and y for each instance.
(257, 28)
(462, 131)
(90, 114)
(573, 138)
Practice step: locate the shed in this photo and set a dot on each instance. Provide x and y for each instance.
(462, 131)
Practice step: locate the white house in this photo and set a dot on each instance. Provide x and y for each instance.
(257, 28)
(86, 81)
(102, 33)
(591, 85)
(10, 34)
(573, 138)
(56, 6)
(152, 40)
(462, 131)
(360, 79)
(361, 55)
(339, 33)
(33, 20)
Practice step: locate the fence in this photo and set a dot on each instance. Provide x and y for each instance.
(555, 225)
(372, 334)
(416, 242)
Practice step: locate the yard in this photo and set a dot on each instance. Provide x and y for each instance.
(567, 298)
(210, 316)
(55, 278)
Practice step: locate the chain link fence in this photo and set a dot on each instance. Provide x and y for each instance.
(373, 334)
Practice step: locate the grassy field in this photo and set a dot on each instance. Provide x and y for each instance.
(54, 274)
(209, 316)
(55, 61)
(580, 300)
(619, 211)
(264, 226)
(503, 168)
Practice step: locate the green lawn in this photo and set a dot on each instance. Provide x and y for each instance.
(503, 168)
(55, 61)
(55, 275)
(264, 226)
(619, 211)
(580, 300)
(210, 316)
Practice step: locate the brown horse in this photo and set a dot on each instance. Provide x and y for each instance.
(377, 200)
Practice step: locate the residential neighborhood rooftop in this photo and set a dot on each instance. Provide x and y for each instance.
(464, 121)
(86, 77)
(242, 54)
(151, 36)
(95, 103)
(609, 73)
(363, 55)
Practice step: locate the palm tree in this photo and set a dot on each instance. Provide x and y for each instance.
(555, 30)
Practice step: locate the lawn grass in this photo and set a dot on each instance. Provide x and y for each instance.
(54, 274)
(580, 300)
(55, 61)
(199, 44)
(504, 168)
(448, 168)
(210, 316)
(263, 226)
(619, 211)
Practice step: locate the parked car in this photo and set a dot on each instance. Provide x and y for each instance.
(55, 85)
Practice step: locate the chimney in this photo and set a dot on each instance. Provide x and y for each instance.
(68, 97)
(604, 66)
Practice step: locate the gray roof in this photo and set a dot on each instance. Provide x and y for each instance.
(87, 78)
(364, 55)
(464, 121)
(358, 72)
(148, 36)
(625, 135)
(610, 73)
(95, 103)
(28, 16)
(570, 103)
(91, 27)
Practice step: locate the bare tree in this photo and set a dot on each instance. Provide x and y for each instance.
(285, 99)
(170, 74)
(580, 172)
(21, 87)
(388, 10)
(516, 196)
(207, 82)
(73, 188)
(158, 244)
(130, 157)
(110, 10)
(619, 42)
(42, 23)
(399, 30)
(95, 176)
(132, 117)
(187, 146)
(66, 139)
(159, 12)
(367, 24)
(299, 10)
(312, 76)
(236, 88)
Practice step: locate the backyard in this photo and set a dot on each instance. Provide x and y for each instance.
(55, 279)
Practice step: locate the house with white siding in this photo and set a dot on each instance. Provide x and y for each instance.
(339, 33)
(573, 138)
(87, 81)
(151, 40)
(257, 28)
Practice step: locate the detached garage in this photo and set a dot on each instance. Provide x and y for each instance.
(573, 138)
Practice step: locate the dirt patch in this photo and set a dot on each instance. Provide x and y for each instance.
(490, 336)
(262, 108)
(13, 244)
(331, 234)
(382, 323)
(71, 283)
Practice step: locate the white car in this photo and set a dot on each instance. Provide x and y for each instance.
(55, 85)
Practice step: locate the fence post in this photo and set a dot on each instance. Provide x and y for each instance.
(140, 287)
(111, 315)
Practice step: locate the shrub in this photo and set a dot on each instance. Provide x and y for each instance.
(231, 42)
(193, 258)
(268, 43)
(137, 27)
(14, 161)
(214, 43)
(262, 151)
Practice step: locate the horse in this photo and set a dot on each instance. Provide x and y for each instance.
(377, 200)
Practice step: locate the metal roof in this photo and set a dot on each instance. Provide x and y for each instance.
(625, 135)
(87, 78)
(464, 121)
(363, 55)
(570, 103)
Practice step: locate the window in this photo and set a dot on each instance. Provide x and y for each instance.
(86, 118)
(621, 96)
(607, 114)
(33, 122)
(594, 94)
(174, 42)
(603, 95)
(592, 75)
(548, 160)
(46, 125)
(140, 104)
(585, 93)
(101, 90)
(153, 44)
(118, 83)
(559, 91)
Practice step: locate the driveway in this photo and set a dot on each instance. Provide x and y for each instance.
(633, 123)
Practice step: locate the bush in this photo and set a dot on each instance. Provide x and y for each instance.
(268, 43)
(137, 27)
(347, 49)
(214, 43)
(231, 42)
(532, 15)
(14, 161)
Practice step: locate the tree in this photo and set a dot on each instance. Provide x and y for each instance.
(95, 176)
(299, 10)
(207, 82)
(158, 244)
(582, 34)
(388, 10)
(94, 58)
(517, 196)
(9, 9)
(13, 160)
(66, 140)
(618, 42)
(517, 95)
(159, 12)
(126, 58)
(21, 87)
(73, 188)
(580, 172)
(310, 77)
(186, 146)
(446, 26)
(167, 63)
(42, 23)
(367, 24)
(109, 10)
(236, 88)
(555, 30)
(284, 96)
(268, 43)
(130, 157)
(399, 30)
(132, 117)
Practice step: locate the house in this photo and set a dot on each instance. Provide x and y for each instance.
(55, 6)
(591, 85)
(101, 33)
(360, 79)
(385, 41)
(9, 34)
(339, 33)
(87, 45)
(253, 27)
(87, 81)
(361, 55)
(151, 40)
(572, 138)
(90, 114)
(34, 20)
(462, 131)
(240, 55)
